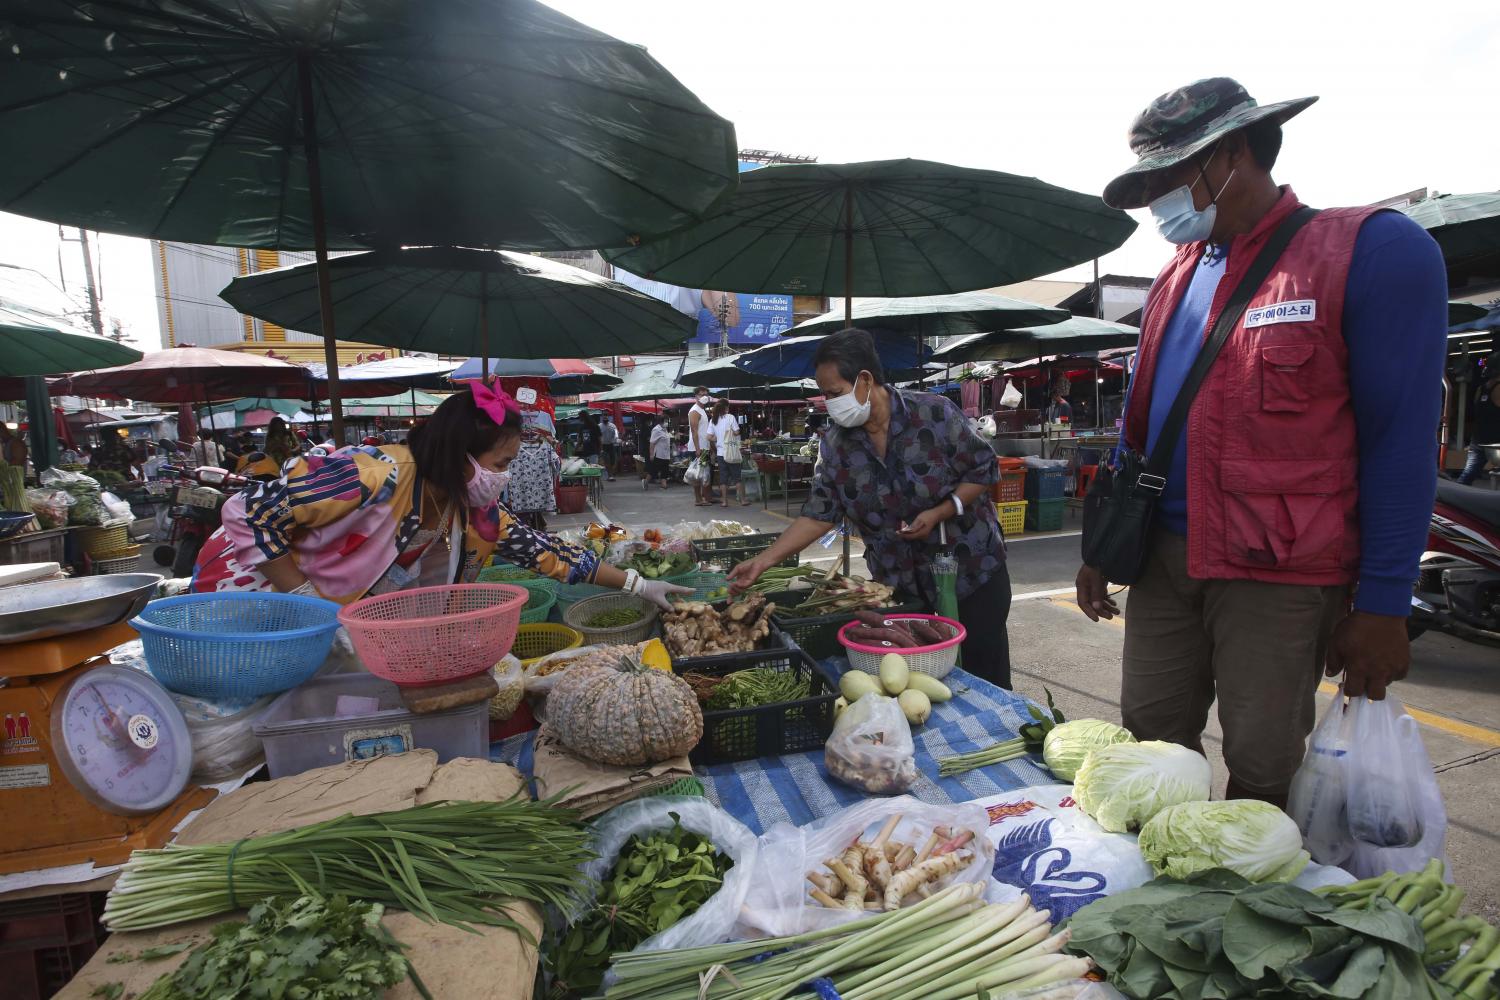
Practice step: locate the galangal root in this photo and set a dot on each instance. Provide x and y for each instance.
(697, 629)
(881, 874)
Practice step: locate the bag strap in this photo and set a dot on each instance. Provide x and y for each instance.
(1154, 477)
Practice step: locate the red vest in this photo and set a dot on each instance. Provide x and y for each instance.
(1272, 463)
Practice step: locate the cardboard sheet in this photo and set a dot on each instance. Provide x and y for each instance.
(495, 964)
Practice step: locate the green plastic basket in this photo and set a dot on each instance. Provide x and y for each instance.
(706, 586)
(538, 606)
(682, 786)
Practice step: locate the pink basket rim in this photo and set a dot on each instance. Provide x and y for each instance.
(908, 650)
(348, 616)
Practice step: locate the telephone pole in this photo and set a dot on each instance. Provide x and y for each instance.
(88, 277)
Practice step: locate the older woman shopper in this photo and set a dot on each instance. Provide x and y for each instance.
(898, 464)
(368, 520)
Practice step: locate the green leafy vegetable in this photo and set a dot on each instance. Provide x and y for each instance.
(1123, 785)
(308, 947)
(1217, 935)
(657, 881)
(1252, 839)
(1032, 738)
(109, 991)
(1065, 745)
(758, 686)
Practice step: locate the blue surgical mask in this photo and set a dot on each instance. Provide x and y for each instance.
(1177, 218)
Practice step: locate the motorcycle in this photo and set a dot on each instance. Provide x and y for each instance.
(196, 512)
(1458, 588)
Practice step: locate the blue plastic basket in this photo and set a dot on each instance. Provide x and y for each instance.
(236, 645)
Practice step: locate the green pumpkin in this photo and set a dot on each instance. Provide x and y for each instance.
(625, 714)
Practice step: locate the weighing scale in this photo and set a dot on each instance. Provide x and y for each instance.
(94, 758)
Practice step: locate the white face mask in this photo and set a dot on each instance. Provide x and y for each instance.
(847, 410)
(702, 400)
(1177, 218)
(486, 485)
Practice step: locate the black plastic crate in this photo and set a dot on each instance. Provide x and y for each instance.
(45, 941)
(724, 553)
(777, 642)
(767, 730)
(819, 635)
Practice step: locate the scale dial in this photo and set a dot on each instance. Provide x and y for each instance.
(122, 741)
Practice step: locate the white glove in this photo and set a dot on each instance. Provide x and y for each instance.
(655, 591)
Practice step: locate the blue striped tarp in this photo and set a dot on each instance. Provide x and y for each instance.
(796, 788)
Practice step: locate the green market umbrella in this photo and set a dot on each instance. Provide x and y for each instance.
(448, 300)
(33, 343)
(1467, 229)
(1081, 333)
(1465, 312)
(935, 315)
(413, 404)
(295, 124)
(885, 227)
(253, 411)
(646, 382)
(797, 389)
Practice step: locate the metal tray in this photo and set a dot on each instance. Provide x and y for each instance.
(43, 610)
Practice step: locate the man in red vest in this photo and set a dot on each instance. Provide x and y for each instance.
(1296, 508)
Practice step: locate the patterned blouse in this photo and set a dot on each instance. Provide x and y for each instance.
(930, 450)
(348, 516)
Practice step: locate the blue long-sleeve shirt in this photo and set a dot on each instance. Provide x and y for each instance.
(1395, 317)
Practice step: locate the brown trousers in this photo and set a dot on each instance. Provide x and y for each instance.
(1258, 647)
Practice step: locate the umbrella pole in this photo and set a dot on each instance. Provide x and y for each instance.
(320, 243)
(849, 260)
(484, 327)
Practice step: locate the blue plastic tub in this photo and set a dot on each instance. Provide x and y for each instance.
(236, 645)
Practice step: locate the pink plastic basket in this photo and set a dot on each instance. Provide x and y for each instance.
(937, 659)
(435, 634)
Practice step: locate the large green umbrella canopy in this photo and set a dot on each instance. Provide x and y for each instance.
(33, 343)
(935, 315)
(887, 227)
(645, 382)
(1467, 228)
(1081, 333)
(721, 373)
(253, 411)
(300, 124)
(797, 389)
(449, 300)
(408, 404)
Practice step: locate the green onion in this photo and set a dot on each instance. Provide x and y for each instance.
(454, 862)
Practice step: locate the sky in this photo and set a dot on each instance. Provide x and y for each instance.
(1408, 95)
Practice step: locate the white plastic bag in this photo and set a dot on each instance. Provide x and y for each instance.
(871, 747)
(1317, 798)
(1396, 815)
(1011, 397)
(778, 903)
(511, 681)
(119, 511)
(223, 735)
(715, 919)
(696, 472)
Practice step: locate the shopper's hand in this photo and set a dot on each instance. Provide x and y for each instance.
(659, 592)
(743, 576)
(923, 524)
(1371, 651)
(1093, 595)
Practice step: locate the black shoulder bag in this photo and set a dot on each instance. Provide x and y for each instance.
(1120, 506)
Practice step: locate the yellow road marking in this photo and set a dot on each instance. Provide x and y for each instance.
(1454, 727)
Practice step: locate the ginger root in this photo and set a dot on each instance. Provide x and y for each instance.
(697, 629)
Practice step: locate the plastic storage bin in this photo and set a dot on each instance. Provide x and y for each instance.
(766, 730)
(302, 730)
(1044, 484)
(45, 941)
(1044, 515)
(722, 554)
(1013, 481)
(1012, 517)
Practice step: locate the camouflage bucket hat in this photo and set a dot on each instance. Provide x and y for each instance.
(1182, 123)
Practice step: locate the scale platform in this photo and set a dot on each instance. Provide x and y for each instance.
(93, 757)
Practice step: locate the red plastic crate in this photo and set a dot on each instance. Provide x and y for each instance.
(45, 941)
(1011, 485)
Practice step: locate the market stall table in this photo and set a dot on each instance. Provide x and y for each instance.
(796, 788)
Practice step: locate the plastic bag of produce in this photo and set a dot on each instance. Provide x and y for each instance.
(1073, 989)
(1317, 797)
(780, 901)
(1395, 810)
(50, 506)
(511, 680)
(88, 506)
(223, 735)
(714, 920)
(871, 747)
(117, 509)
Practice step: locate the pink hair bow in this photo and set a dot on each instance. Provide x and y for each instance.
(495, 401)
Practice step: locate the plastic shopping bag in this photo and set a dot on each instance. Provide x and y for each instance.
(714, 920)
(871, 747)
(779, 902)
(1396, 814)
(696, 472)
(1317, 800)
(1011, 397)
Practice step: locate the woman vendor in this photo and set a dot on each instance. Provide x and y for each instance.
(368, 520)
(899, 464)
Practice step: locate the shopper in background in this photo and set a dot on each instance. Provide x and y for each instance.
(659, 462)
(610, 439)
(700, 445)
(206, 452)
(724, 432)
(590, 440)
(1486, 419)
